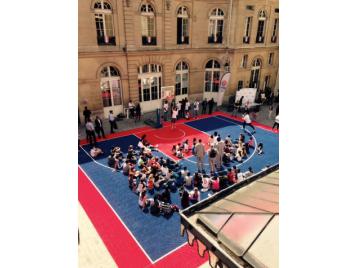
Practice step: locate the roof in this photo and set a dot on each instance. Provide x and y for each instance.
(238, 227)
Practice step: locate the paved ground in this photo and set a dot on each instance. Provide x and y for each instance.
(92, 252)
(126, 124)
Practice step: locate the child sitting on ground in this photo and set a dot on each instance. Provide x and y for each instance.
(260, 148)
(95, 151)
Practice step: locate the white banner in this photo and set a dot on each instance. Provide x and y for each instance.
(223, 85)
(248, 95)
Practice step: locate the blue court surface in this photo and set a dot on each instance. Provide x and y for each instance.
(160, 235)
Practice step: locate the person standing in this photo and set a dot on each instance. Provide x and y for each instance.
(112, 122)
(204, 106)
(131, 109)
(187, 109)
(210, 106)
(86, 114)
(166, 110)
(99, 127)
(178, 106)
(220, 152)
(174, 117)
(248, 121)
(200, 155)
(271, 107)
(137, 112)
(196, 107)
(212, 156)
(91, 133)
(235, 109)
(276, 123)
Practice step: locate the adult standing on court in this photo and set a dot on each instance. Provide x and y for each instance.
(137, 112)
(196, 107)
(90, 131)
(204, 106)
(174, 117)
(210, 105)
(166, 110)
(220, 152)
(99, 127)
(276, 123)
(113, 124)
(200, 155)
(178, 106)
(131, 108)
(212, 156)
(86, 114)
(248, 121)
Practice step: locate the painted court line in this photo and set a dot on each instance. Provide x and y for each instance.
(122, 222)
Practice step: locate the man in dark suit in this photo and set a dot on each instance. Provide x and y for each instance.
(86, 114)
(99, 127)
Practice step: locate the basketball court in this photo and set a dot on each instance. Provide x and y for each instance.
(137, 239)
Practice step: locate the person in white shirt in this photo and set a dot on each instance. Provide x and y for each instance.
(188, 180)
(164, 170)
(112, 122)
(90, 132)
(276, 123)
(248, 121)
(131, 108)
(196, 107)
(178, 106)
(174, 117)
(166, 110)
(95, 151)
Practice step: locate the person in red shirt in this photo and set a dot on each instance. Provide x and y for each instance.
(231, 176)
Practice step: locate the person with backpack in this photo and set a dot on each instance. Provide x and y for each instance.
(212, 157)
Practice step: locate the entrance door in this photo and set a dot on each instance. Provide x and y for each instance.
(111, 90)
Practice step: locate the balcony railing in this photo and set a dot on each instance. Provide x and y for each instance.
(148, 40)
(260, 39)
(184, 40)
(106, 41)
(246, 39)
(217, 41)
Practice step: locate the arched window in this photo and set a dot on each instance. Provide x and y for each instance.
(182, 26)
(274, 36)
(212, 75)
(215, 30)
(182, 83)
(103, 15)
(148, 34)
(255, 73)
(110, 86)
(261, 27)
(149, 82)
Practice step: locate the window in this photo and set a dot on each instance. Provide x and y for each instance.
(182, 26)
(227, 67)
(212, 76)
(254, 73)
(247, 29)
(244, 61)
(215, 30)
(182, 83)
(249, 7)
(148, 34)
(103, 15)
(275, 31)
(110, 86)
(261, 27)
(149, 82)
(266, 81)
(271, 58)
(276, 10)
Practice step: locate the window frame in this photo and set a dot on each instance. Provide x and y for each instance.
(148, 25)
(103, 15)
(216, 16)
(152, 72)
(181, 72)
(212, 71)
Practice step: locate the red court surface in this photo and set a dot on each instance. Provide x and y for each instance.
(165, 137)
(122, 246)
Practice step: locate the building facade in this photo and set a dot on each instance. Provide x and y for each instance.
(129, 49)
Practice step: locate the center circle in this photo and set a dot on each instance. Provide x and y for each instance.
(172, 134)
